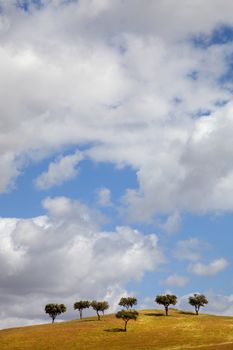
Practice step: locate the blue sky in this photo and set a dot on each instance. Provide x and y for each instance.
(116, 153)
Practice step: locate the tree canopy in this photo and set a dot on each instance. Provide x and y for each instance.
(198, 300)
(80, 305)
(99, 306)
(128, 302)
(54, 310)
(166, 301)
(126, 316)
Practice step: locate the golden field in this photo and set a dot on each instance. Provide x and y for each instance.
(152, 330)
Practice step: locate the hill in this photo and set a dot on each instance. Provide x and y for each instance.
(152, 330)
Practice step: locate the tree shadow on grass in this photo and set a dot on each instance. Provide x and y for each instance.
(114, 330)
(186, 313)
(155, 314)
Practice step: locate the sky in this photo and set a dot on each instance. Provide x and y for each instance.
(116, 153)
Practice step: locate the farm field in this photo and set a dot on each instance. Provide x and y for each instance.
(180, 330)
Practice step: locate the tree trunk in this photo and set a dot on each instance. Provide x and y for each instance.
(166, 310)
(98, 315)
(125, 326)
(81, 314)
(197, 309)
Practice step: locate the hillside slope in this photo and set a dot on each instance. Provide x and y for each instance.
(152, 330)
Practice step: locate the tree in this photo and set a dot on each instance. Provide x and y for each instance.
(128, 302)
(80, 305)
(54, 309)
(126, 316)
(99, 306)
(166, 301)
(105, 306)
(198, 300)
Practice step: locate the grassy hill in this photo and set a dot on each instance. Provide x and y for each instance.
(152, 330)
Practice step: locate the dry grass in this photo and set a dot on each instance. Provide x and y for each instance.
(179, 331)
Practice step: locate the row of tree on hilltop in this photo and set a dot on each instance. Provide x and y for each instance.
(56, 309)
(127, 313)
(197, 300)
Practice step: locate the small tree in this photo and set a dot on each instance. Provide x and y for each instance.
(166, 301)
(198, 300)
(54, 310)
(80, 305)
(99, 306)
(128, 302)
(105, 306)
(126, 316)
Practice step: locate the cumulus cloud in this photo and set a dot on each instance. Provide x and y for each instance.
(176, 280)
(190, 249)
(63, 169)
(72, 52)
(210, 269)
(220, 304)
(65, 254)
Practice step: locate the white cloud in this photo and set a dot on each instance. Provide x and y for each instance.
(220, 304)
(9, 171)
(210, 269)
(65, 255)
(143, 119)
(63, 169)
(190, 249)
(104, 197)
(172, 223)
(176, 280)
